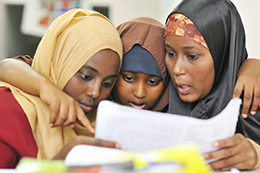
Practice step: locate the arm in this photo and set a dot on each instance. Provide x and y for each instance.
(249, 82)
(64, 109)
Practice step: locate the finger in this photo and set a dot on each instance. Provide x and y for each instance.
(96, 142)
(226, 163)
(243, 165)
(99, 142)
(239, 87)
(71, 116)
(72, 125)
(84, 120)
(54, 113)
(248, 95)
(256, 100)
(222, 153)
(230, 142)
(62, 117)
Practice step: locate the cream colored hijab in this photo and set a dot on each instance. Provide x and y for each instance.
(70, 41)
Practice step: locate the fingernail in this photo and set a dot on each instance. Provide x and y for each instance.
(244, 115)
(51, 125)
(253, 112)
(118, 145)
(215, 144)
(205, 156)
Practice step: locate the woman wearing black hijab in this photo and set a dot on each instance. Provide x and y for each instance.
(205, 47)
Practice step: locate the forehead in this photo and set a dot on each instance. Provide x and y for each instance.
(173, 41)
(138, 74)
(104, 61)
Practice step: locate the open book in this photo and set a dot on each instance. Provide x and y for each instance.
(142, 130)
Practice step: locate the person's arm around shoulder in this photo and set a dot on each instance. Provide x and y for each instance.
(64, 109)
(249, 81)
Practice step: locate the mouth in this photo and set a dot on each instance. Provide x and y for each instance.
(183, 89)
(137, 105)
(86, 108)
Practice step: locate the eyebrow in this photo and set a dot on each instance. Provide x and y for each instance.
(166, 45)
(186, 47)
(91, 68)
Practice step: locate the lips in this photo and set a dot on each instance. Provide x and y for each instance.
(182, 88)
(137, 105)
(85, 107)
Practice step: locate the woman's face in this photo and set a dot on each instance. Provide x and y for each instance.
(190, 66)
(138, 90)
(94, 81)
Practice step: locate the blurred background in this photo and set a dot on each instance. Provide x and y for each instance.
(20, 33)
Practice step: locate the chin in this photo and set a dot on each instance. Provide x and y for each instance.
(188, 99)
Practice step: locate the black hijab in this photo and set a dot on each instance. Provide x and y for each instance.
(220, 24)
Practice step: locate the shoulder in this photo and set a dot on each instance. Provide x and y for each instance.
(15, 129)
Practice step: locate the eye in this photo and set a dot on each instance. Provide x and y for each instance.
(85, 77)
(192, 57)
(170, 54)
(153, 82)
(129, 79)
(107, 84)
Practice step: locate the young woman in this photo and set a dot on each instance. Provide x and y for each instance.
(81, 54)
(205, 47)
(143, 76)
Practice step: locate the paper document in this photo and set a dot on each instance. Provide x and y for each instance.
(86, 155)
(142, 130)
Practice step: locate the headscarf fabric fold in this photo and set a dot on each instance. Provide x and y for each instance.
(71, 40)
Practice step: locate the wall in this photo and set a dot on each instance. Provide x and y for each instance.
(12, 42)
(250, 14)
(123, 10)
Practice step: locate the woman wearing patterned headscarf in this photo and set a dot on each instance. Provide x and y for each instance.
(81, 54)
(205, 47)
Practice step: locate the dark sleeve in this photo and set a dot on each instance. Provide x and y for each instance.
(250, 127)
(26, 58)
(16, 137)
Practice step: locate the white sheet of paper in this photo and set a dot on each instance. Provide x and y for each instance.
(142, 130)
(85, 155)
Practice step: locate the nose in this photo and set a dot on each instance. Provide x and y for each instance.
(139, 90)
(94, 89)
(178, 67)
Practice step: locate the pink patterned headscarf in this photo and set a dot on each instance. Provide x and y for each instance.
(180, 25)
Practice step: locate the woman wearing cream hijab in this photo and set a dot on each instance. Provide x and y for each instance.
(81, 54)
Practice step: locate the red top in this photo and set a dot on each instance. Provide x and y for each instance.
(16, 137)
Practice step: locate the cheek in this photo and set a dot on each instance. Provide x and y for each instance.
(122, 89)
(170, 65)
(104, 94)
(72, 88)
(155, 93)
(205, 80)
